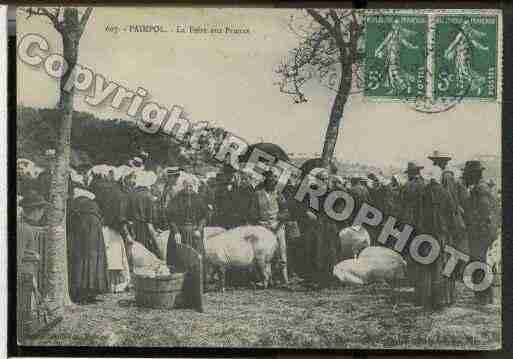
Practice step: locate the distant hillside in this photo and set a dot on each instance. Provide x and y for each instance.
(112, 141)
(115, 141)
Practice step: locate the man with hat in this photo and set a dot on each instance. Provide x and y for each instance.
(440, 159)
(433, 290)
(269, 209)
(411, 208)
(411, 196)
(28, 297)
(479, 218)
(33, 206)
(460, 195)
(169, 192)
(359, 192)
(231, 200)
(318, 250)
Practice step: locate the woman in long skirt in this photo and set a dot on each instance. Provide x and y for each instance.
(113, 202)
(88, 255)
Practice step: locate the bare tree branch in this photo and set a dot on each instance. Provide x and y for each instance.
(41, 11)
(85, 18)
(332, 55)
(321, 20)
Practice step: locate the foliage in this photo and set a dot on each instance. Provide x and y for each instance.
(330, 50)
(112, 141)
(330, 40)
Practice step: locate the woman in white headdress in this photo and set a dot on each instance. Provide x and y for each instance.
(187, 216)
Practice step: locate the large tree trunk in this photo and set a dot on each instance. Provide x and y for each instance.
(58, 292)
(337, 112)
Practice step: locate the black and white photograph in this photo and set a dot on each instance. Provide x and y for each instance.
(292, 178)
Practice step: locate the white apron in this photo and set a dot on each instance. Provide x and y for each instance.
(117, 261)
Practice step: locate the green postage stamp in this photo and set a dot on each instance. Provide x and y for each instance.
(395, 56)
(434, 55)
(465, 57)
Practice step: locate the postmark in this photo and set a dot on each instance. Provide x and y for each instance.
(395, 56)
(465, 58)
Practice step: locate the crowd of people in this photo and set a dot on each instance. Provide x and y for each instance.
(110, 207)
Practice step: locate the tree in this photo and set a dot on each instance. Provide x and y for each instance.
(70, 24)
(330, 51)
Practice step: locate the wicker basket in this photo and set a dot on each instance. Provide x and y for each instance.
(158, 292)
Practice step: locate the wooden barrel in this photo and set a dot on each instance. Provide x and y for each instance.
(158, 292)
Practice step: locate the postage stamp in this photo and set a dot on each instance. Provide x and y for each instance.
(395, 55)
(465, 57)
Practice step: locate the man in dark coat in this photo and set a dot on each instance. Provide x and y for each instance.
(360, 194)
(411, 210)
(231, 200)
(225, 200)
(432, 289)
(168, 193)
(460, 196)
(320, 239)
(479, 219)
(394, 191)
(381, 198)
(89, 275)
(29, 301)
(411, 196)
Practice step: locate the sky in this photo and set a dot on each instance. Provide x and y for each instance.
(229, 80)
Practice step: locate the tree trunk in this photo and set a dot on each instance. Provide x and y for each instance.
(58, 293)
(337, 112)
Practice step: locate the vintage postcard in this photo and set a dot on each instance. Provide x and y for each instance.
(259, 178)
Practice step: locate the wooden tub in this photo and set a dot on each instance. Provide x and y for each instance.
(159, 291)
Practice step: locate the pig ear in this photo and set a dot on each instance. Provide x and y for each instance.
(250, 237)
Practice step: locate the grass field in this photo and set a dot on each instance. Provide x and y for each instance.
(363, 317)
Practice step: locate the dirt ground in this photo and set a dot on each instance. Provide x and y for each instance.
(363, 317)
